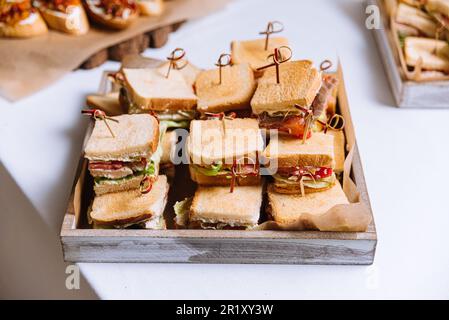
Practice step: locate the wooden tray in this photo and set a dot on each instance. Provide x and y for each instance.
(81, 244)
(407, 93)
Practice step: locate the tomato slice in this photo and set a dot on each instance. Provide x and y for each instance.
(316, 173)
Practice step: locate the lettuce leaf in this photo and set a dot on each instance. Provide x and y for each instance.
(211, 171)
(182, 209)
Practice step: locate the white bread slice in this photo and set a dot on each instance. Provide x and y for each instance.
(234, 92)
(213, 141)
(129, 207)
(151, 8)
(433, 53)
(288, 209)
(416, 18)
(253, 51)
(318, 151)
(73, 22)
(32, 26)
(136, 135)
(222, 180)
(190, 72)
(168, 144)
(218, 205)
(440, 6)
(149, 89)
(109, 103)
(299, 84)
(339, 149)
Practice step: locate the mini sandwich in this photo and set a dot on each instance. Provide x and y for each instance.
(274, 103)
(168, 146)
(429, 54)
(217, 208)
(151, 8)
(121, 163)
(233, 93)
(149, 90)
(225, 152)
(301, 168)
(18, 19)
(131, 208)
(108, 103)
(416, 18)
(439, 9)
(290, 211)
(253, 52)
(114, 14)
(64, 15)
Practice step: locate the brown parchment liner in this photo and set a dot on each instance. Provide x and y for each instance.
(417, 75)
(29, 65)
(354, 216)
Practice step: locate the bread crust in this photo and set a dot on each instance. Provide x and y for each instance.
(221, 180)
(37, 28)
(151, 8)
(57, 21)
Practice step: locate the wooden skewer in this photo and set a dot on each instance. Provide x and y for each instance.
(220, 64)
(98, 114)
(278, 59)
(175, 56)
(270, 30)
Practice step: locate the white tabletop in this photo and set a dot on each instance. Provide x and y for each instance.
(405, 155)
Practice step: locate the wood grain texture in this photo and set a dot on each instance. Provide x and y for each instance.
(81, 244)
(408, 94)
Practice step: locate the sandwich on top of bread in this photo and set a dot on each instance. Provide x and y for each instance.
(150, 90)
(233, 93)
(18, 19)
(217, 208)
(301, 168)
(131, 208)
(225, 152)
(121, 163)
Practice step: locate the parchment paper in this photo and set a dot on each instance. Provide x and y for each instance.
(28, 65)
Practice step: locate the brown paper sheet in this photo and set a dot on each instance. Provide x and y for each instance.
(28, 65)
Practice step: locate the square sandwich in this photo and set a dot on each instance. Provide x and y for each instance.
(149, 90)
(274, 103)
(290, 210)
(120, 163)
(301, 168)
(225, 152)
(233, 93)
(217, 208)
(254, 52)
(131, 208)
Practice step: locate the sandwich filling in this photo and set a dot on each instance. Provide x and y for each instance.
(311, 177)
(114, 8)
(12, 13)
(291, 124)
(116, 172)
(58, 5)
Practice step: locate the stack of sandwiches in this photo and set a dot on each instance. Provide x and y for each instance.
(227, 111)
(121, 164)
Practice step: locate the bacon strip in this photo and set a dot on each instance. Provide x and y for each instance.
(319, 103)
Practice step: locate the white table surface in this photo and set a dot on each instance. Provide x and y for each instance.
(405, 155)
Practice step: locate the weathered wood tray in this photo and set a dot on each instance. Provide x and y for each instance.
(407, 93)
(82, 244)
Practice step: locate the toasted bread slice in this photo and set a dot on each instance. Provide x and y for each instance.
(149, 89)
(130, 207)
(318, 151)
(416, 18)
(222, 141)
(434, 54)
(168, 144)
(111, 186)
(98, 15)
(190, 72)
(32, 26)
(234, 92)
(151, 8)
(339, 149)
(253, 51)
(440, 6)
(222, 180)
(213, 205)
(74, 21)
(299, 84)
(135, 136)
(109, 103)
(295, 188)
(288, 210)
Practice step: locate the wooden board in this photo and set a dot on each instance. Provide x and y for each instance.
(409, 94)
(153, 39)
(82, 244)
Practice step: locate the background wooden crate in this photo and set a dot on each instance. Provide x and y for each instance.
(410, 94)
(82, 244)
